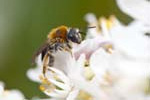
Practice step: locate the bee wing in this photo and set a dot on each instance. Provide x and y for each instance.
(42, 50)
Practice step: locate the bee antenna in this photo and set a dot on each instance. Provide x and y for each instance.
(91, 27)
(86, 28)
(81, 32)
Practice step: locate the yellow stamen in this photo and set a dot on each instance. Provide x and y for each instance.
(108, 22)
(44, 80)
(107, 77)
(84, 96)
(42, 88)
(86, 63)
(147, 88)
(88, 73)
(108, 48)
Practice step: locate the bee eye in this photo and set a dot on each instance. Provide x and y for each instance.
(74, 35)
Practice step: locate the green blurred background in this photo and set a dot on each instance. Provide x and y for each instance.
(24, 25)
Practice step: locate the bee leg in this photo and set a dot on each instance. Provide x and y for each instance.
(58, 46)
(44, 70)
(69, 50)
(51, 60)
(61, 48)
(45, 63)
(69, 45)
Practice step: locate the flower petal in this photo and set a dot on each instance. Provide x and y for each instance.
(138, 9)
(89, 46)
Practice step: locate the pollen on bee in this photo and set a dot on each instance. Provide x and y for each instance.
(44, 80)
(46, 85)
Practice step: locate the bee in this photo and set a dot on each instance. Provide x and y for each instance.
(60, 38)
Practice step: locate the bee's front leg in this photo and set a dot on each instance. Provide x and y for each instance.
(69, 50)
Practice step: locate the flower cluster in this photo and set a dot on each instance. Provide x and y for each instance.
(112, 63)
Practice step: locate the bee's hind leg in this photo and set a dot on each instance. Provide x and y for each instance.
(45, 63)
(51, 60)
(48, 61)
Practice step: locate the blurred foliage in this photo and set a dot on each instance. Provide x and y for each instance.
(24, 25)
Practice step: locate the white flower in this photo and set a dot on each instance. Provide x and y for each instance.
(57, 84)
(124, 72)
(138, 9)
(33, 73)
(131, 39)
(89, 46)
(67, 86)
(68, 74)
(121, 75)
(10, 94)
(103, 26)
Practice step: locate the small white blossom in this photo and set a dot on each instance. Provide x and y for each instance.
(10, 94)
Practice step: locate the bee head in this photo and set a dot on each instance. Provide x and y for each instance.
(74, 35)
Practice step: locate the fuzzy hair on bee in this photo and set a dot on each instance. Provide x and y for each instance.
(58, 39)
